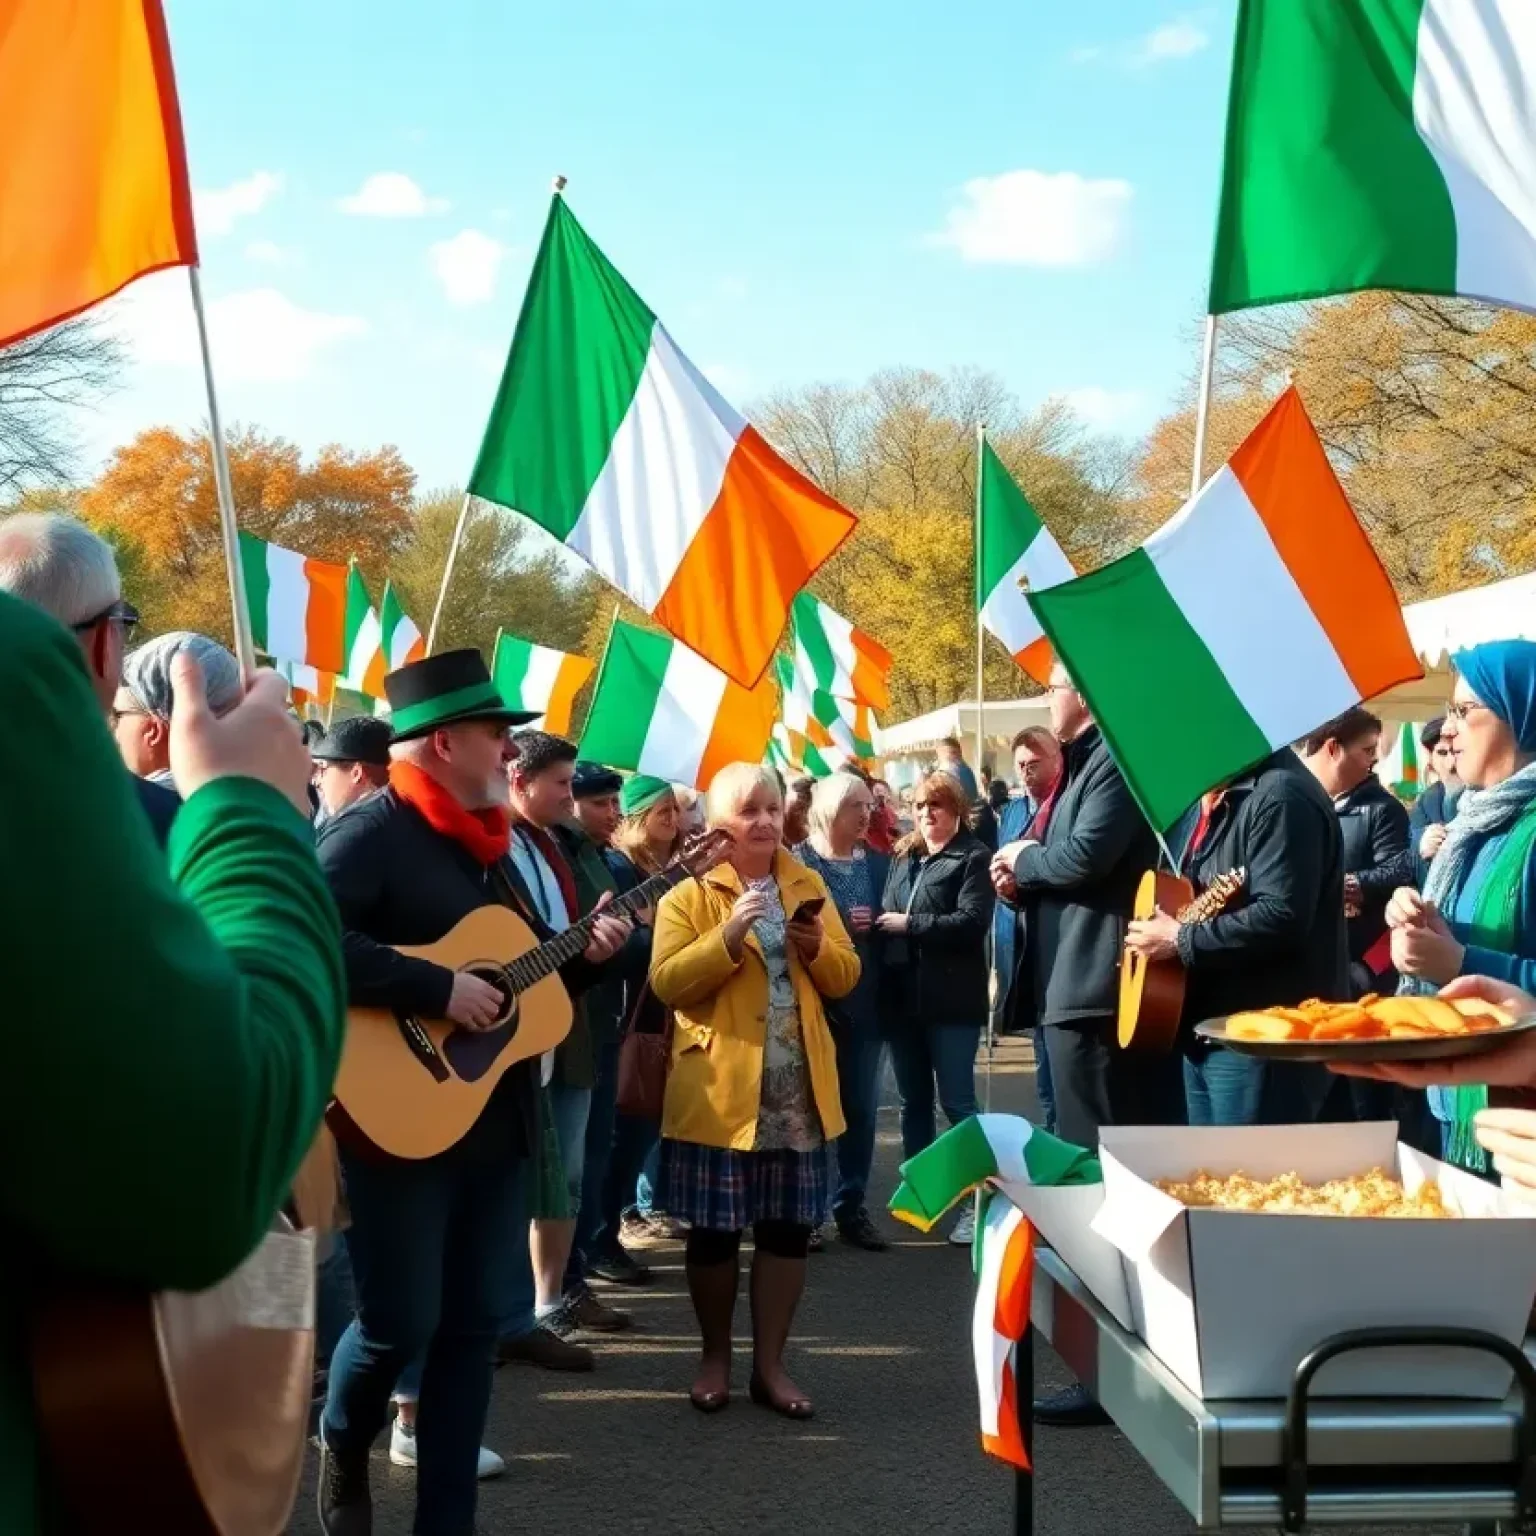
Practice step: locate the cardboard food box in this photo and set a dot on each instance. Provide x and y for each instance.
(1231, 1301)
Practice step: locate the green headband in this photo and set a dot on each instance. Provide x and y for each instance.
(641, 792)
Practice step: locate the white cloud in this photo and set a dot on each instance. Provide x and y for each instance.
(269, 253)
(467, 266)
(1037, 219)
(1173, 40)
(1103, 408)
(216, 210)
(391, 195)
(258, 334)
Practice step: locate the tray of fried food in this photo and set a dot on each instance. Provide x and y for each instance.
(1375, 1193)
(1372, 1029)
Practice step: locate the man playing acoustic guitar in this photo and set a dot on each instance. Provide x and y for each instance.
(433, 1240)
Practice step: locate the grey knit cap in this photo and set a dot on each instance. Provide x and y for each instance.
(147, 671)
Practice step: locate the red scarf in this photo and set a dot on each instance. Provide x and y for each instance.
(1041, 820)
(486, 835)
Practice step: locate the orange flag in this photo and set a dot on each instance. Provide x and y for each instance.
(93, 169)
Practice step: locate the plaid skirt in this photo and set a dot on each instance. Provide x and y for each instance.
(726, 1191)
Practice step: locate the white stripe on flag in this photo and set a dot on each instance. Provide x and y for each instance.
(1008, 1135)
(287, 604)
(686, 708)
(663, 475)
(539, 679)
(1472, 106)
(991, 1350)
(405, 636)
(364, 648)
(1221, 567)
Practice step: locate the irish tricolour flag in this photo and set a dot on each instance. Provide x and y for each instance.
(833, 655)
(1259, 611)
(660, 708)
(976, 1152)
(606, 435)
(378, 640)
(298, 606)
(1380, 144)
(537, 678)
(1015, 554)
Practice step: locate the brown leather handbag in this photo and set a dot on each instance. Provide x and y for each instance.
(645, 1058)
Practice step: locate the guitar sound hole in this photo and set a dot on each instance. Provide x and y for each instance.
(487, 971)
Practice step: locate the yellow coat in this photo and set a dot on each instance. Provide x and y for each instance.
(721, 1006)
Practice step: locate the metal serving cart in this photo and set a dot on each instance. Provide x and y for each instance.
(1295, 1464)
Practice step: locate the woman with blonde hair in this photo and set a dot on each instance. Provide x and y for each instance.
(838, 850)
(744, 956)
(937, 914)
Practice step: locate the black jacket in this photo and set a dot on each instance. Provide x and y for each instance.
(1077, 888)
(1432, 809)
(1282, 940)
(160, 805)
(1373, 825)
(396, 881)
(937, 974)
(641, 1009)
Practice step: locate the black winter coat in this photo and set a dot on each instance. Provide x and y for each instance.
(396, 881)
(1282, 940)
(1077, 889)
(1373, 825)
(1434, 808)
(937, 973)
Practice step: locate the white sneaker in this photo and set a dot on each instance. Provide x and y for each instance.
(963, 1233)
(402, 1452)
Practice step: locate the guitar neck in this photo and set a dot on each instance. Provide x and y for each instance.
(548, 958)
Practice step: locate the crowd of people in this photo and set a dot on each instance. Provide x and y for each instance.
(722, 1072)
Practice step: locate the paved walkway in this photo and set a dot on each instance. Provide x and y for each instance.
(882, 1344)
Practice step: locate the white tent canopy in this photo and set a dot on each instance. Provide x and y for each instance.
(1003, 720)
(1505, 610)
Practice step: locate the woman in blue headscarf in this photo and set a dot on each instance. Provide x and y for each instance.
(1477, 914)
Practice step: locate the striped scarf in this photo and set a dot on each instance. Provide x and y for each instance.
(1502, 810)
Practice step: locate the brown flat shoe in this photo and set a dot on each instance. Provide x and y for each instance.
(791, 1408)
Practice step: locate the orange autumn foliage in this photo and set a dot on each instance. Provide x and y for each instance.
(157, 495)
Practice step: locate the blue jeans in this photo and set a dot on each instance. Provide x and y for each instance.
(636, 1143)
(925, 1056)
(650, 1171)
(1226, 1088)
(597, 1154)
(859, 1051)
(433, 1245)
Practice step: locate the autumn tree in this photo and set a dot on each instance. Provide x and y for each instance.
(157, 497)
(45, 379)
(1428, 410)
(509, 575)
(901, 451)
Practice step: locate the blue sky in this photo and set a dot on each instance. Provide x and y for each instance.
(803, 194)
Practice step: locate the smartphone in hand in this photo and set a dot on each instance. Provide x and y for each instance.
(809, 909)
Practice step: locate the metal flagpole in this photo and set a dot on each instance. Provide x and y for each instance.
(1203, 408)
(453, 556)
(981, 745)
(245, 647)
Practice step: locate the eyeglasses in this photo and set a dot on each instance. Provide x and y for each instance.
(117, 715)
(120, 612)
(1443, 749)
(1459, 710)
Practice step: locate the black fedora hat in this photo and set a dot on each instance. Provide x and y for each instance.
(358, 739)
(446, 689)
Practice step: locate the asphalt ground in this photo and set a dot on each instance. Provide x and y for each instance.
(882, 1344)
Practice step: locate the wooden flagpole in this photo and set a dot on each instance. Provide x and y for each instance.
(245, 646)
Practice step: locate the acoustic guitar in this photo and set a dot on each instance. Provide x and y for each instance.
(414, 1086)
(179, 1413)
(1152, 991)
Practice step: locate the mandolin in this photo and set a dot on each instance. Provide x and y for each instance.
(412, 1086)
(192, 1407)
(1152, 991)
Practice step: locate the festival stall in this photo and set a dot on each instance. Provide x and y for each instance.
(907, 747)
